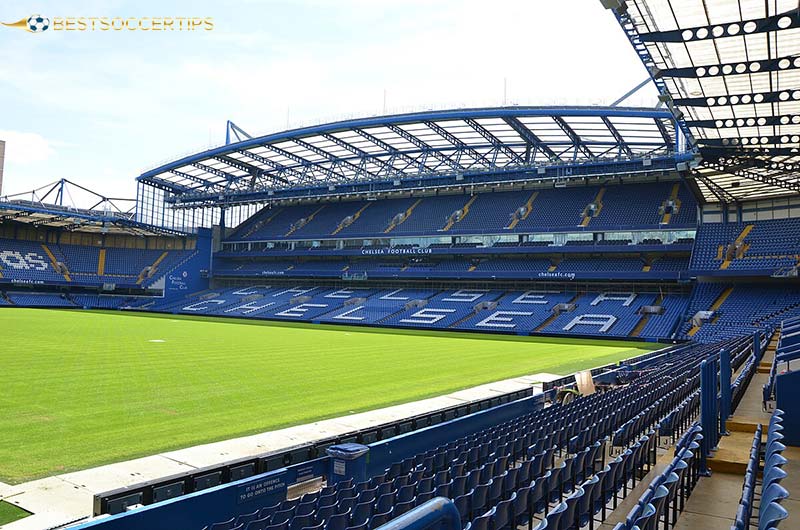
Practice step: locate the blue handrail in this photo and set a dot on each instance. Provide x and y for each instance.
(438, 513)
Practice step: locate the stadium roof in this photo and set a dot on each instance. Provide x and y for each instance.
(393, 148)
(731, 70)
(68, 206)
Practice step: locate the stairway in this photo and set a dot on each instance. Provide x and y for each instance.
(645, 319)
(308, 219)
(673, 196)
(554, 316)
(257, 225)
(598, 200)
(352, 219)
(727, 262)
(716, 305)
(464, 213)
(528, 209)
(406, 215)
(101, 262)
(54, 263)
(143, 275)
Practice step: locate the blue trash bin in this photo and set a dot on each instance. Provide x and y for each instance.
(347, 461)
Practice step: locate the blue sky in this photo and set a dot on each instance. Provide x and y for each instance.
(101, 107)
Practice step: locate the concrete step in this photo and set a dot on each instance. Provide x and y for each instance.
(733, 453)
(742, 423)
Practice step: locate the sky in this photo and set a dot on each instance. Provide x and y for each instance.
(99, 108)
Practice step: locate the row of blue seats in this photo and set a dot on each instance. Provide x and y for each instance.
(666, 494)
(768, 245)
(609, 314)
(628, 206)
(772, 494)
(505, 475)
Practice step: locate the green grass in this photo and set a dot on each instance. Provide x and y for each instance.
(81, 389)
(10, 513)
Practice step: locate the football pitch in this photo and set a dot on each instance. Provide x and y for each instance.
(81, 389)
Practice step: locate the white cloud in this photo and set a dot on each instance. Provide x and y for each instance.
(25, 147)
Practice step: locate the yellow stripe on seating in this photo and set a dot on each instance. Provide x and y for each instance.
(355, 216)
(308, 220)
(101, 262)
(598, 200)
(464, 210)
(410, 209)
(54, 263)
(528, 210)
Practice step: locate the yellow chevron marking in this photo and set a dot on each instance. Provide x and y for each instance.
(155, 264)
(747, 229)
(528, 210)
(355, 217)
(101, 262)
(410, 209)
(716, 305)
(309, 219)
(598, 200)
(465, 209)
(53, 263)
(721, 298)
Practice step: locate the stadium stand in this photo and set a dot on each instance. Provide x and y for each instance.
(480, 213)
(520, 312)
(29, 262)
(572, 465)
(769, 245)
(656, 224)
(743, 308)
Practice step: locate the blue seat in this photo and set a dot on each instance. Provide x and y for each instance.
(658, 500)
(299, 522)
(338, 521)
(502, 518)
(380, 519)
(569, 520)
(361, 513)
(496, 489)
(464, 506)
(245, 518)
(554, 517)
(406, 493)
(480, 496)
(555, 482)
(482, 522)
(402, 507)
(647, 518)
(770, 516)
(280, 526)
(589, 504)
(282, 516)
(257, 524)
(322, 514)
(774, 493)
(540, 494)
(223, 525)
(522, 508)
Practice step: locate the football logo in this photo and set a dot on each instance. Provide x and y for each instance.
(38, 23)
(32, 24)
